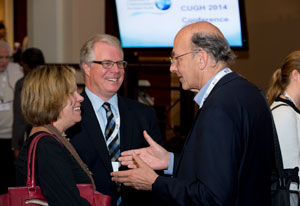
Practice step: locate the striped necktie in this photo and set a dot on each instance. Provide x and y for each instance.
(111, 141)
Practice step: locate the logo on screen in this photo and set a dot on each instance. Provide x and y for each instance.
(163, 4)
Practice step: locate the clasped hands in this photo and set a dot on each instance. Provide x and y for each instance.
(142, 163)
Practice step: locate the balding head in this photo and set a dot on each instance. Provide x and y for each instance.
(200, 27)
(205, 36)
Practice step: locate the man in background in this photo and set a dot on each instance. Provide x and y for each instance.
(110, 123)
(9, 74)
(31, 59)
(2, 31)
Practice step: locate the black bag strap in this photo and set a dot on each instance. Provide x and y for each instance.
(277, 152)
(278, 156)
(279, 105)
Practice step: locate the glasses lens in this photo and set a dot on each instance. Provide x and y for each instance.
(107, 64)
(122, 64)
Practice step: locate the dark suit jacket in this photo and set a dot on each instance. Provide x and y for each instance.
(87, 138)
(226, 159)
(19, 123)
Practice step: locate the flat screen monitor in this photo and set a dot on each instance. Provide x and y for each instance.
(153, 24)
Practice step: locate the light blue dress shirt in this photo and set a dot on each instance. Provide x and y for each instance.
(100, 112)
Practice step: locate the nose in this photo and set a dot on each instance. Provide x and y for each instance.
(79, 97)
(173, 68)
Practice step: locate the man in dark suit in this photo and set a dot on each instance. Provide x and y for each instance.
(31, 59)
(105, 130)
(227, 156)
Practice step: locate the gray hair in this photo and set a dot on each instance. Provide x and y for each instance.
(4, 44)
(215, 45)
(87, 50)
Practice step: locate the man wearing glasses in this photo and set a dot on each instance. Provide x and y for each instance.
(227, 156)
(10, 73)
(110, 123)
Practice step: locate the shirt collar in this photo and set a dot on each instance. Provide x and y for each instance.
(200, 95)
(97, 102)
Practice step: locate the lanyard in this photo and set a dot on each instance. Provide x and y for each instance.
(216, 79)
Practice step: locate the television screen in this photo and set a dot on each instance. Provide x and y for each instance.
(154, 23)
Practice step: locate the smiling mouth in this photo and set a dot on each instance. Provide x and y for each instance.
(113, 80)
(77, 108)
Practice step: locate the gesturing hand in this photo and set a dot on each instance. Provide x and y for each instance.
(140, 178)
(155, 155)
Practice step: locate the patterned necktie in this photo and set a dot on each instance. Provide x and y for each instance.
(112, 142)
(113, 145)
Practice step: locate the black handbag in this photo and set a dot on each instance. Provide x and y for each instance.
(282, 178)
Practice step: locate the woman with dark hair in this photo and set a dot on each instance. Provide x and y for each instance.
(284, 98)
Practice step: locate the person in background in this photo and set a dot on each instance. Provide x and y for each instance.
(2, 31)
(10, 73)
(227, 156)
(284, 99)
(110, 123)
(50, 102)
(32, 58)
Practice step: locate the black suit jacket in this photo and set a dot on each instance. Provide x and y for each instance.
(227, 157)
(87, 138)
(19, 124)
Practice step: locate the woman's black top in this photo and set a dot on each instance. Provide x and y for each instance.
(57, 172)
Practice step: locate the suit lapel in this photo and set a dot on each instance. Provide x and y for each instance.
(186, 141)
(126, 126)
(227, 78)
(90, 122)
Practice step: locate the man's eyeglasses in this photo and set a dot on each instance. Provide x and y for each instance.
(174, 58)
(107, 64)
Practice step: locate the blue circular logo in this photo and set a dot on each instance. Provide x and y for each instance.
(163, 4)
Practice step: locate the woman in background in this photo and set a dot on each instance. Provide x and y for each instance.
(50, 102)
(284, 98)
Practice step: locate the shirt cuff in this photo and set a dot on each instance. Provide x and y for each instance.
(169, 171)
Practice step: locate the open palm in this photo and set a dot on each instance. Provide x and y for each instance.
(154, 155)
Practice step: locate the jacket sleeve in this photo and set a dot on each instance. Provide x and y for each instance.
(209, 165)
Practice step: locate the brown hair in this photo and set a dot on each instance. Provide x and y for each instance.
(45, 93)
(281, 77)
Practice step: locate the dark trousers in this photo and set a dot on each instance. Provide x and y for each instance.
(7, 170)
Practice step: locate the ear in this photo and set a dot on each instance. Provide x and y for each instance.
(86, 69)
(203, 59)
(296, 75)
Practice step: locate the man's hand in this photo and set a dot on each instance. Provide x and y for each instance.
(140, 178)
(155, 155)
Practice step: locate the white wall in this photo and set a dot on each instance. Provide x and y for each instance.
(60, 27)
